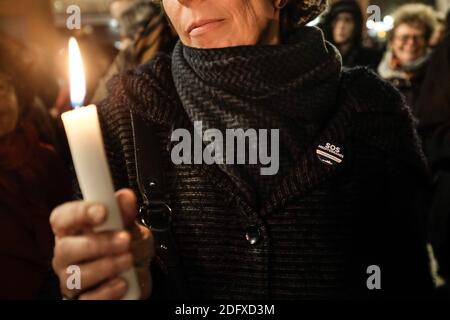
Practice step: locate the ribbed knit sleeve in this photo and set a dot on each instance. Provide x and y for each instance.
(383, 119)
(115, 123)
(146, 91)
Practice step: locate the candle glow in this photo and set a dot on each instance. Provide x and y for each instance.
(76, 73)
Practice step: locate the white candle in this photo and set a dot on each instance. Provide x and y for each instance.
(86, 145)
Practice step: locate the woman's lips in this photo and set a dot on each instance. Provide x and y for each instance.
(200, 27)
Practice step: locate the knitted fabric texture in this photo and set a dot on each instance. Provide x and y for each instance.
(322, 225)
(291, 87)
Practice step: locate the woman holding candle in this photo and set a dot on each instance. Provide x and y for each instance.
(314, 230)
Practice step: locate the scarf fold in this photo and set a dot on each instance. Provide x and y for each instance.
(391, 68)
(291, 87)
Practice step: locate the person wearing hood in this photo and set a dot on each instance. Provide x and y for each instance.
(343, 26)
(405, 62)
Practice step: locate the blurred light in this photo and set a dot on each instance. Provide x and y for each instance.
(113, 24)
(381, 27)
(76, 72)
(382, 34)
(372, 33)
(88, 29)
(388, 20)
(118, 45)
(314, 22)
(370, 24)
(58, 5)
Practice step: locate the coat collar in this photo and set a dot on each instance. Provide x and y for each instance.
(310, 171)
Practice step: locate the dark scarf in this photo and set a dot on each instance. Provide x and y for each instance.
(291, 87)
(391, 68)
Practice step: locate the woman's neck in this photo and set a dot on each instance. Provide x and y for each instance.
(271, 34)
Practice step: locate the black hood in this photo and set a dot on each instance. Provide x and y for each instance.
(349, 6)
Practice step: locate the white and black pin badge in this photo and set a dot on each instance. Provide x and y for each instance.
(330, 154)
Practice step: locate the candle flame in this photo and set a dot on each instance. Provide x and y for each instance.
(76, 72)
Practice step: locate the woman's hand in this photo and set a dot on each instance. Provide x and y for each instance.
(101, 257)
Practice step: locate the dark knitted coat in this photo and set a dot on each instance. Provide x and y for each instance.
(321, 229)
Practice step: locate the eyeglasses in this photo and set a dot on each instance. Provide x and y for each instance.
(415, 38)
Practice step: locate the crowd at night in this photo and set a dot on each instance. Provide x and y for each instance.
(226, 150)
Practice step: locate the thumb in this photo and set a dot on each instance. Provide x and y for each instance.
(128, 206)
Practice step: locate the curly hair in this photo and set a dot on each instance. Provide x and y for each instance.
(415, 14)
(300, 12)
(295, 12)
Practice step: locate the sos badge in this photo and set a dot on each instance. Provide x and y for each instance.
(330, 154)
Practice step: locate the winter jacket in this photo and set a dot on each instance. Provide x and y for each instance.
(325, 226)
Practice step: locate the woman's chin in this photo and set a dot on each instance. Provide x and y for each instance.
(217, 44)
(208, 42)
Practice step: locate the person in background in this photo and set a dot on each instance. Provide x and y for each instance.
(405, 62)
(343, 26)
(433, 112)
(44, 86)
(32, 181)
(144, 32)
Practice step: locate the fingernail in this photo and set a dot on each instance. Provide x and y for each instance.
(96, 213)
(122, 240)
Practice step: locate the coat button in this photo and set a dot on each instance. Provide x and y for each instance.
(253, 235)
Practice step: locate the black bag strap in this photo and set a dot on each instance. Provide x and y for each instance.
(154, 212)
